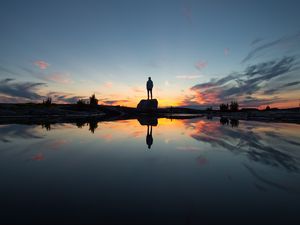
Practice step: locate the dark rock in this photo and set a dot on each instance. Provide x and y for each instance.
(148, 106)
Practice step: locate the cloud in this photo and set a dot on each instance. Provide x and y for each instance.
(108, 84)
(256, 41)
(5, 71)
(226, 51)
(57, 77)
(27, 90)
(200, 65)
(243, 85)
(60, 78)
(63, 98)
(188, 77)
(292, 39)
(187, 11)
(138, 89)
(41, 64)
(279, 89)
(12, 132)
(115, 102)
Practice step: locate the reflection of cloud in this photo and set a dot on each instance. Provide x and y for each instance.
(244, 140)
(13, 131)
(137, 134)
(268, 182)
(41, 64)
(107, 137)
(201, 160)
(188, 148)
(38, 157)
(56, 144)
(20, 89)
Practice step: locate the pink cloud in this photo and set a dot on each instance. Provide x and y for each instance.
(60, 78)
(226, 51)
(187, 12)
(188, 77)
(108, 84)
(200, 65)
(41, 64)
(138, 89)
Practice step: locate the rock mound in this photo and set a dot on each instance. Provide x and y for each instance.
(147, 105)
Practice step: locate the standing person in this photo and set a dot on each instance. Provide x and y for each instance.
(149, 87)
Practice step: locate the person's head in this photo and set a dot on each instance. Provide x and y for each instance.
(149, 78)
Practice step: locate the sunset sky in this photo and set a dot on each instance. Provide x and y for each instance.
(198, 53)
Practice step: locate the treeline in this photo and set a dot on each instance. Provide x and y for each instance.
(233, 107)
(93, 101)
(81, 102)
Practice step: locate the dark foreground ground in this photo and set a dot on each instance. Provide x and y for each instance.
(27, 113)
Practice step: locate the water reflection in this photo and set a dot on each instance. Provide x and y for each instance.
(194, 165)
(250, 139)
(225, 121)
(149, 122)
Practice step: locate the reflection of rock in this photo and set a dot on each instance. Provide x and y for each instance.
(147, 105)
(147, 120)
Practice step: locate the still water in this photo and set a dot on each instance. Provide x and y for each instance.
(187, 171)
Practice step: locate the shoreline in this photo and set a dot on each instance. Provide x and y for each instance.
(59, 113)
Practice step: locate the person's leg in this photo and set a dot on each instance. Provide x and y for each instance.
(151, 93)
(148, 93)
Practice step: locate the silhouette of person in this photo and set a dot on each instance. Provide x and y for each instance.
(149, 138)
(149, 87)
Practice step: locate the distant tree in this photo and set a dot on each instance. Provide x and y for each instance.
(93, 100)
(224, 107)
(268, 108)
(234, 106)
(80, 102)
(209, 108)
(48, 101)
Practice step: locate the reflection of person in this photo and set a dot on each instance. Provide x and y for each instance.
(149, 87)
(149, 138)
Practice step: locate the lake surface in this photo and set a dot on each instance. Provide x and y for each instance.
(188, 171)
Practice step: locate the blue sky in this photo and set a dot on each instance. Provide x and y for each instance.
(71, 49)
